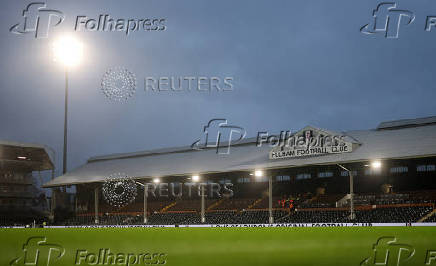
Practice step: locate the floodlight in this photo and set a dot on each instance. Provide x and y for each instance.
(68, 51)
(258, 173)
(376, 164)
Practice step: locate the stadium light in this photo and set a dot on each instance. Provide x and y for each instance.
(195, 178)
(350, 174)
(376, 164)
(258, 173)
(68, 51)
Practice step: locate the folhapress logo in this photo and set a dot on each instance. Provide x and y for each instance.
(213, 133)
(387, 20)
(387, 252)
(38, 19)
(37, 252)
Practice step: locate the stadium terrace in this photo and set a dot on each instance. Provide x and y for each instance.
(381, 175)
(312, 182)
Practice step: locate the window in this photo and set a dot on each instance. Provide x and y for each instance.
(303, 176)
(261, 179)
(244, 180)
(425, 168)
(225, 181)
(421, 168)
(345, 173)
(325, 174)
(399, 169)
(372, 171)
(282, 178)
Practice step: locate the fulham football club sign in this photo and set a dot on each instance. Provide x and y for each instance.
(311, 142)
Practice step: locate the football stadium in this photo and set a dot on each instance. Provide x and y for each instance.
(382, 175)
(204, 132)
(356, 190)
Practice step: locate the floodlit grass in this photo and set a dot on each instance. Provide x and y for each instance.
(226, 246)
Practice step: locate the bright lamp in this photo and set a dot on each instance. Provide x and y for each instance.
(68, 51)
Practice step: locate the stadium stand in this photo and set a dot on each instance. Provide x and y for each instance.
(398, 209)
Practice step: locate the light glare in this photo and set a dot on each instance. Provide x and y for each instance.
(195, 178)
(376, 164)
(68, 51)
(258, 173)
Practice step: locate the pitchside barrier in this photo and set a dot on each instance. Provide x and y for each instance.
(246, 225)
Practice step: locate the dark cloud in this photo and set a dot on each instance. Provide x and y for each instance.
(294, 63)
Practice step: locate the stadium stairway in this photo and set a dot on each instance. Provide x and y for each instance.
(256, 203)
(283, 218)
(427, 216)
(164, 209)
(215, 204)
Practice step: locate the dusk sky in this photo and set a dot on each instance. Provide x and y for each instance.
(294, 63)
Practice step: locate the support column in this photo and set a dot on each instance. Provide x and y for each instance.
(53, 200)
(203, 218)
(145, 204)
(64, 161)
(352, 214)
(96, 205)
(271, 217)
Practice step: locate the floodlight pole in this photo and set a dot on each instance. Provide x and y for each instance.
(203, 218)
(53, 198)
(271, 217)
(64, 167)
(145, 199)
(96, 205)
(350, 174)
(145, 203)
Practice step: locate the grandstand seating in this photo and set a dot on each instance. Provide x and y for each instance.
(404, 207)
(400, 214)
(431, 219)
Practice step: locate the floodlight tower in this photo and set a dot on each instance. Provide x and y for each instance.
(374, 165)
(68, 51)
(260, 174)
(196, 178)
(155, 181)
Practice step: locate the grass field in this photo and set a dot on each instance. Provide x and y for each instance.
(220, 246)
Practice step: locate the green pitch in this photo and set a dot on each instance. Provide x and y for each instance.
(219, 246)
